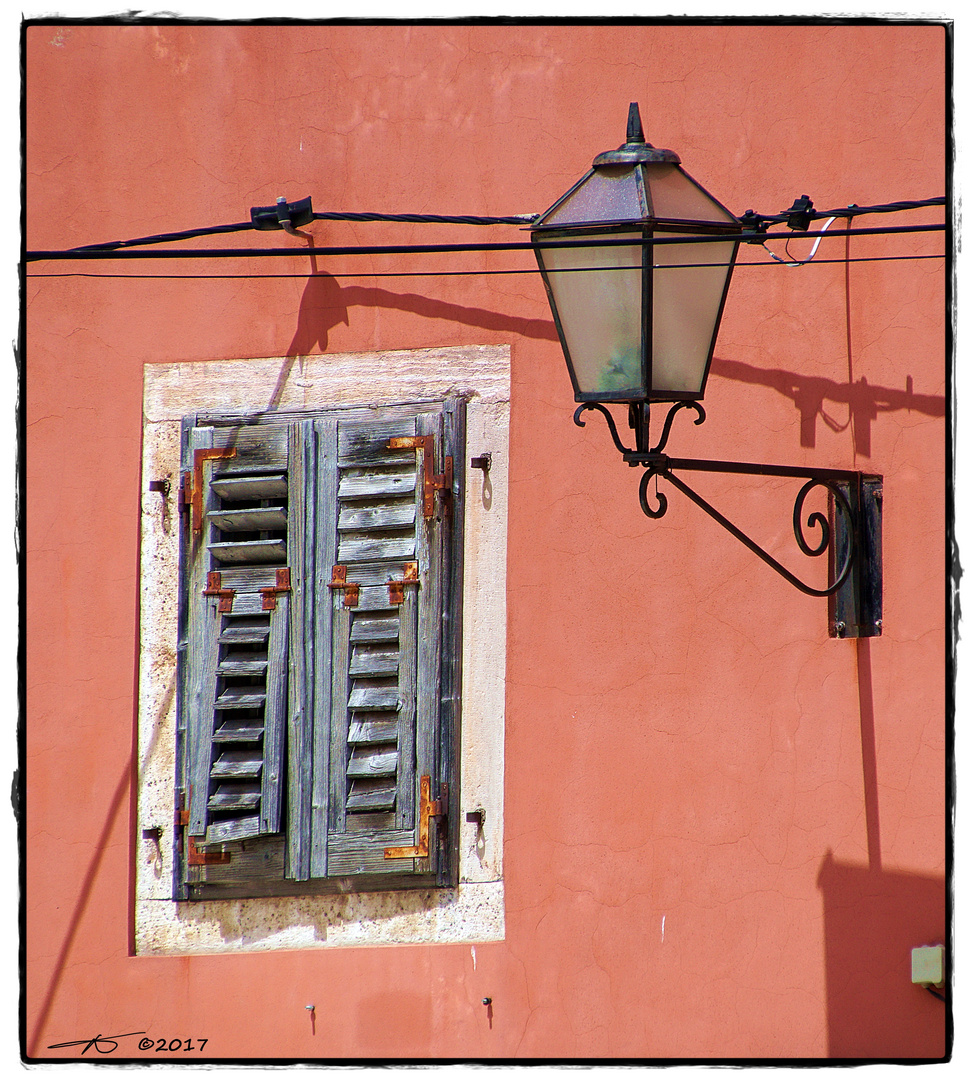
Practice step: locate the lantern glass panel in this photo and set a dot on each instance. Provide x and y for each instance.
(600, 315)
(688, 284)
(608, 194)
(675, 196)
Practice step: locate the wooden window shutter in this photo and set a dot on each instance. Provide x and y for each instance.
(236, 533)
(319, 649)
(379, 629)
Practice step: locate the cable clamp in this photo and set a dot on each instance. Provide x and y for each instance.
(282, 215)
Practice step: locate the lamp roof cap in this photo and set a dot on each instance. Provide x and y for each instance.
(634, 150)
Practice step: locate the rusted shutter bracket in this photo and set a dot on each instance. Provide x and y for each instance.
(431, 482)
(428, 808)
(192, 483)
(270, 593)
(195, 857)
(214, 587)
(339, 580)
(396, 589)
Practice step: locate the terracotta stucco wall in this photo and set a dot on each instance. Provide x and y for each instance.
(723, 830)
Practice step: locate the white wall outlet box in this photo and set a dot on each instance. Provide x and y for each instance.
(928, 965)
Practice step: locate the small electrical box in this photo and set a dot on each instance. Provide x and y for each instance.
(928, 965)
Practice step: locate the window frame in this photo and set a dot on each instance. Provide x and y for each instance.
(473, 910)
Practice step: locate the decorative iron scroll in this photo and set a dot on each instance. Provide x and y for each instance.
(816, 519)
(656, 463)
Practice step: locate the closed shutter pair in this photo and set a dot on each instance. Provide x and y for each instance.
(319, 674)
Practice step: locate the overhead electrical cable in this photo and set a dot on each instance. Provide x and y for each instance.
(80, 254)
(290, 216)
(461, 273)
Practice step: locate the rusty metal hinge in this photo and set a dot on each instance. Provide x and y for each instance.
(431, 482)
(181, 819)
(195, 857)
(191, 495)
(396, 589)
(339, 580)
(270, 593)
(214, 587)
(428, 808)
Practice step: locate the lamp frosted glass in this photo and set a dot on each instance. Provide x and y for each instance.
(637, 320)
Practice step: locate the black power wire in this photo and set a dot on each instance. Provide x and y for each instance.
(247, 226)
(290, 214)
(802, 212)
(76, 254)
(457, 273)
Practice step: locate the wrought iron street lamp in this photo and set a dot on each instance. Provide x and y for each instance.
(637, 308)
(636, 259)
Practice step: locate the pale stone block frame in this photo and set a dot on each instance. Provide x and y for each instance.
(472, 912)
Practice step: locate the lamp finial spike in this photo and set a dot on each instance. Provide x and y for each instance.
(636, 133)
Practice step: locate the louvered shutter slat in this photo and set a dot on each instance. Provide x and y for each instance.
(256, 519)
(372, 799)
(236, 828)
(387, 515)
(247, 665)
(235, 797)
(241, 698)
(243, 631)
(380, 628)
(245, 488)
(238, 763)
(250, 551)
(367, 484)
(373, 660)
(235, 730)
(238, 710)
(365, 729)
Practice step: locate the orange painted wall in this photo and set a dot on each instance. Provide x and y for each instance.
(724, 831)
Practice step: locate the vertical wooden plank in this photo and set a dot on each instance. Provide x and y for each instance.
(428, 689)
(454, 444)
(300, 441)
(202, 649)
(180, 889)
(275, 717)
(322, 534)
(340, 655)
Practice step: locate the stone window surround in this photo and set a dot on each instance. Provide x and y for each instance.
(473, 911)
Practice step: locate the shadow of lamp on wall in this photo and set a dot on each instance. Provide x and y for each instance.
(636, 259)
(873, 920)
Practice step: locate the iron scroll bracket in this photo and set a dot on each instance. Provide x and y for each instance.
(850, 534)
(661, 465)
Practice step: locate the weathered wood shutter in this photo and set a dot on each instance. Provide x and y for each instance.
(379, 632)
(319, 684)
(236, 538)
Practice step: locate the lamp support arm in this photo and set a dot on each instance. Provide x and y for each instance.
(851, 535)
(659, 464)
